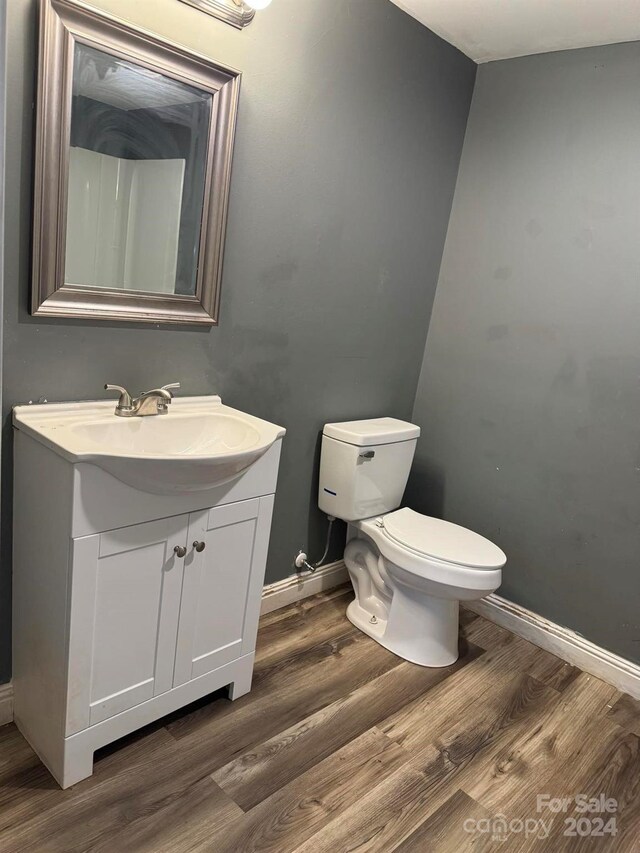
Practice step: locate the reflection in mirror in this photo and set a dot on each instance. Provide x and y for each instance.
(137, 167)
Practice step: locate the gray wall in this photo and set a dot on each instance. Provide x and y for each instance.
(350, 129)
(529, 395)
(5, 578)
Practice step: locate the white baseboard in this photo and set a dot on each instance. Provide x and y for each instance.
(296, 587)
(563, 642)
(6, 703)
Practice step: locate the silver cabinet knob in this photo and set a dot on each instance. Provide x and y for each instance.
(199, 546)
(180, 551)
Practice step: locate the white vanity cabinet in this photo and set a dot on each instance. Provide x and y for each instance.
(128, 605)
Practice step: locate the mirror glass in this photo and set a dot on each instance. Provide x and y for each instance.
(137, 168)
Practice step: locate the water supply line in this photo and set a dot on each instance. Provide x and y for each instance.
(301, 560)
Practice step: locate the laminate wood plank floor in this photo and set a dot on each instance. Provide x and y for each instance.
(341, 746)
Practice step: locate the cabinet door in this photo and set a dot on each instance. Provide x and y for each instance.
(125, 606)
(222, 586)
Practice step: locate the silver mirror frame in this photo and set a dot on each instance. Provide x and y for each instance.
(62, 24)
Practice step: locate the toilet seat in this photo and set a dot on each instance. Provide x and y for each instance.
(416, 566)
(441, 540)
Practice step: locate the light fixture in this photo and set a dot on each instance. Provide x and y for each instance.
(238, 13)
(257, 5)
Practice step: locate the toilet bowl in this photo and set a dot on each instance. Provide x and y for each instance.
(409, 571)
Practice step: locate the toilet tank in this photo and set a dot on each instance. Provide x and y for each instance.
(364, 466)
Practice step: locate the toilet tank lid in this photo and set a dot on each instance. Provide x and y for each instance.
(372, 431)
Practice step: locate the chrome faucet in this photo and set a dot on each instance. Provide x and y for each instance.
(155, 402)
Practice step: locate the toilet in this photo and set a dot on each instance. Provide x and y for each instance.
(409, 571)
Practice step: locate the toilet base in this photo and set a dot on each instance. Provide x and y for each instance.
(420, 630)
(362, 619)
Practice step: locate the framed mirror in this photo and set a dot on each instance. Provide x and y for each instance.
(134, 139)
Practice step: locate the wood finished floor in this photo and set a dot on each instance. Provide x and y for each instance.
(341, 746)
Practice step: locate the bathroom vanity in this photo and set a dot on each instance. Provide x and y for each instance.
(139, 557)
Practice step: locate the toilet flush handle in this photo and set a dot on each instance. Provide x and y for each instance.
(367, 454)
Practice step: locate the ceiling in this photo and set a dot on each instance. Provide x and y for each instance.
(499, 29)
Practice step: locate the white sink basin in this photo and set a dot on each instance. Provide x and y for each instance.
(199, 444)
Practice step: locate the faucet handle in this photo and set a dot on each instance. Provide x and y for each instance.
(125, 402)
(170, 387)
